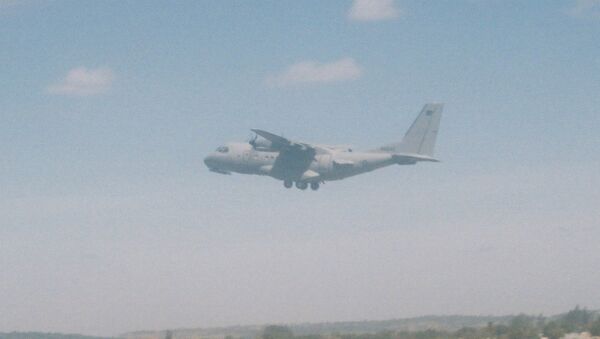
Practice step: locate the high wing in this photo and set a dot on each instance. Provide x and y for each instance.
(285, 144)
(276, 140)
(294, 158)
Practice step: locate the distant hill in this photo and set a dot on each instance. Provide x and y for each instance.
(450, 323)
(445, 323)
(40, 335)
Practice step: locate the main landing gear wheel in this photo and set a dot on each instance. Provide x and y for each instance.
(314, 186)
(301, 185)
(288, 183)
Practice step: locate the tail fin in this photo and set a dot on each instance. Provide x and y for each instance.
(420, 137)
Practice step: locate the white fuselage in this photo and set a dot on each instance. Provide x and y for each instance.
(305, 164)
(329, 164)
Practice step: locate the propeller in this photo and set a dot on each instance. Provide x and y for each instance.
(252, 140)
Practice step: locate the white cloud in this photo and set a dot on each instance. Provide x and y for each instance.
(585, 8)
(317, 72)
(83, 81)
(373, 10)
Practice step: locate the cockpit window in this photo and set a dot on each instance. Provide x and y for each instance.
(223, 149)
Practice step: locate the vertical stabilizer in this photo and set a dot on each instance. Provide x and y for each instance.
(420, 137)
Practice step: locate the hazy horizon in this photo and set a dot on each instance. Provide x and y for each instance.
(110, 222)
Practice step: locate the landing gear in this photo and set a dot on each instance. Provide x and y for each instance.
(301, 185)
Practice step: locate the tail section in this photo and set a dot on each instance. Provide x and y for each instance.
(420, 137)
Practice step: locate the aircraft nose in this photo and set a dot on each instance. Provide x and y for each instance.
(209, 161)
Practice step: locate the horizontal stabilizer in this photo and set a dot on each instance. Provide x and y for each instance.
(405, 158)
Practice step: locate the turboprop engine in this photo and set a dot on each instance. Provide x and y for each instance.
(261, 144)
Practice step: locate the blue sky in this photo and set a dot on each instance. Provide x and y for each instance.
(110, 222)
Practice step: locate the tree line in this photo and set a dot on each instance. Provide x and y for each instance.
(519, 327)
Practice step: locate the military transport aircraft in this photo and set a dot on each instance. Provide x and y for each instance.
(312, 164)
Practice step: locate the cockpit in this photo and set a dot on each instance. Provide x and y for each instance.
(223, 149)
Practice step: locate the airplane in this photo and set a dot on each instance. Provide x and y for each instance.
(305, 164)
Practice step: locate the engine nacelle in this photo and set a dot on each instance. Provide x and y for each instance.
(261, 144)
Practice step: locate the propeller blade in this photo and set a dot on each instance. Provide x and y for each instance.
(252, 139)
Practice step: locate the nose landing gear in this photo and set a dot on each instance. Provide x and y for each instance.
(288, 184)
(314, 186)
